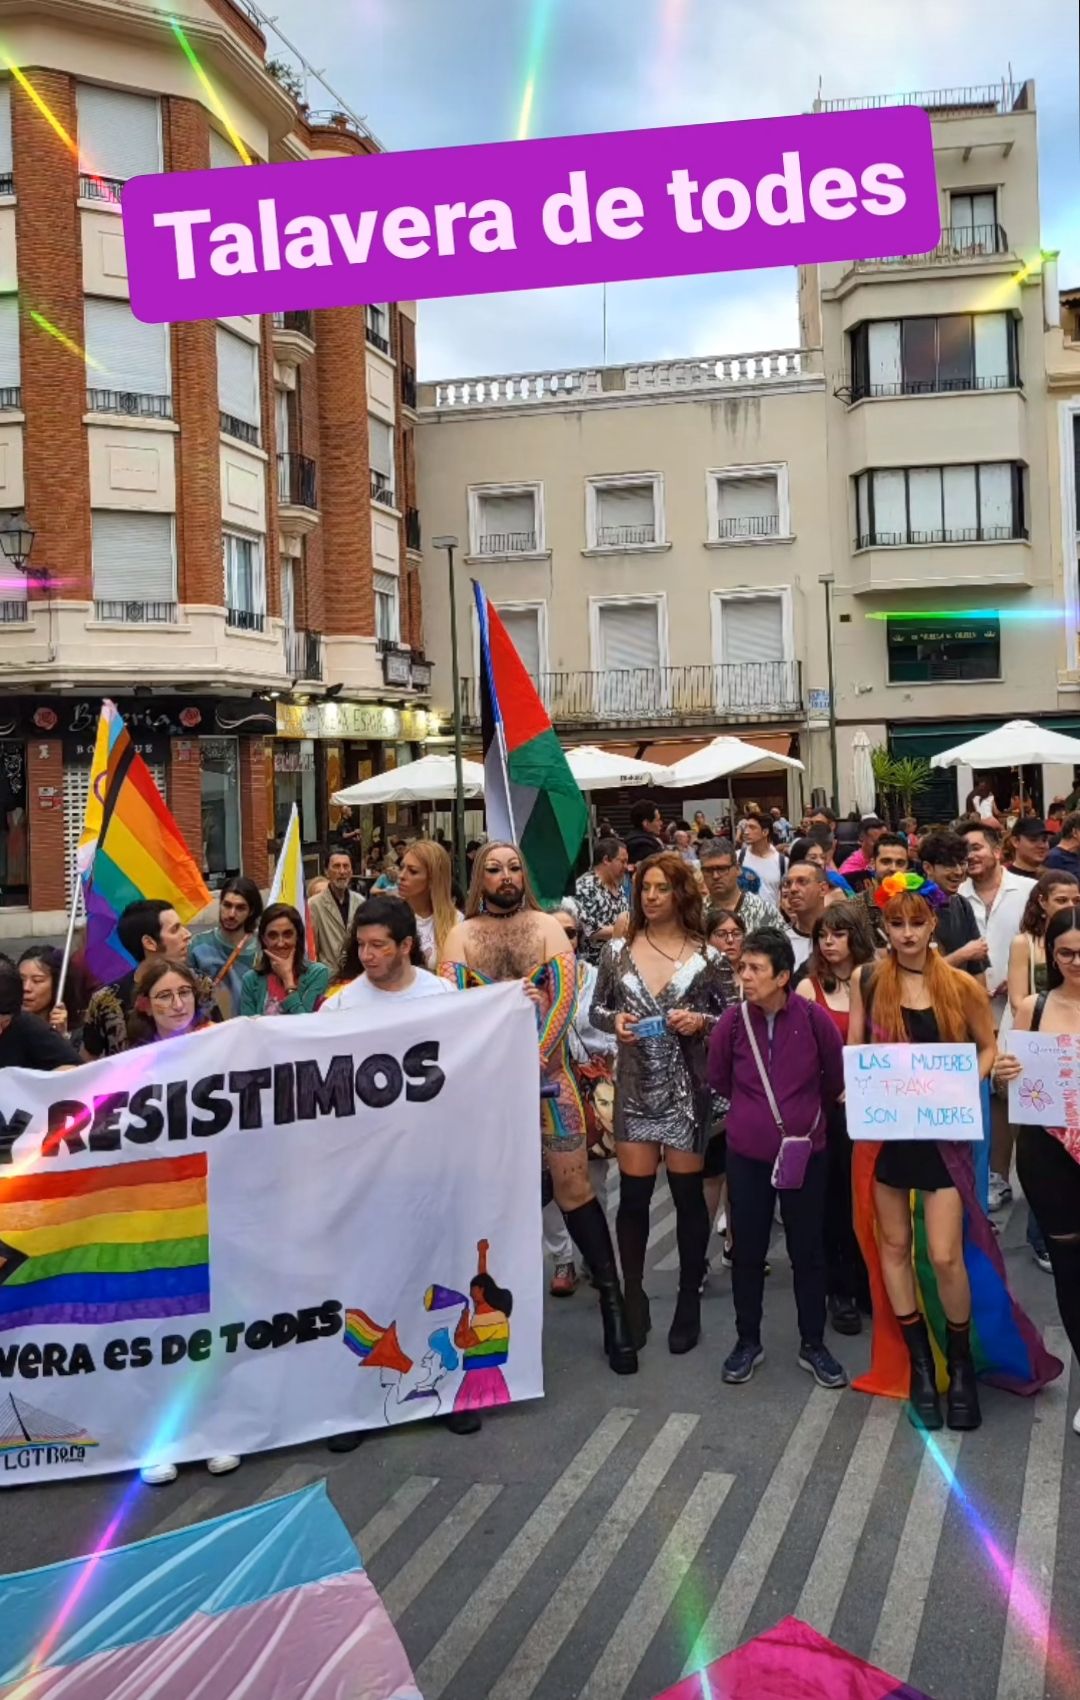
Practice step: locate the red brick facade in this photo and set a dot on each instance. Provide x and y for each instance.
(48, 238)
(344, 476)
(254, 810)
(312, 594)
(45, 800)
(183, 791)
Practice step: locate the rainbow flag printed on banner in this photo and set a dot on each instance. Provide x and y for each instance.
(117, 1243)
(271, 1599)
(531, 798)
(287, 885)
(131, 847)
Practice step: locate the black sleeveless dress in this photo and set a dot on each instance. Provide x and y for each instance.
(911, 1165)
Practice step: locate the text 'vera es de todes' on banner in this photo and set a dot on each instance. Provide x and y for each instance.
(270, 1231)
(501, 216)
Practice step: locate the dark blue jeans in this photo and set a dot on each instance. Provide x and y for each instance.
(752, 1200)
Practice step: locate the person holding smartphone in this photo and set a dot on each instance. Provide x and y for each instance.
(661, 990)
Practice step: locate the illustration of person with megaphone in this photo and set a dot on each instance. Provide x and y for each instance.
(483, 1339)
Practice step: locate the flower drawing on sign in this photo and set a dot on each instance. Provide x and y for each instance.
(45, 719)
(190, 717)
(1034, 1096)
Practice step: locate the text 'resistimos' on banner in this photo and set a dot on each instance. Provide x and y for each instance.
(530, 215)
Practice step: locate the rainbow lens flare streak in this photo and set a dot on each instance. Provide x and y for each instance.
(968, 614)
(65, 341)
(107, 192)
(210, 91)
(541, 21)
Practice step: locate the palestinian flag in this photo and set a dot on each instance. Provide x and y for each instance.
(531, 797)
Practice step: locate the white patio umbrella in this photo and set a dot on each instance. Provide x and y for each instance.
(429, 780)
(1019, 743)
(864, 789)
(718, 759)
(598, 770)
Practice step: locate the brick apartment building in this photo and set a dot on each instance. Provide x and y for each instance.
(226, 528)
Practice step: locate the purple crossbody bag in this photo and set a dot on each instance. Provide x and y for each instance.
(793, 1157)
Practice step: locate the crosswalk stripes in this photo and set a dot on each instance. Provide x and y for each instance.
(902, 1609)
(465, 1631)
(291, 1478)
(194, 1509)
(634, 1634)
(410, 1581)
(1022, 1672)
(733, 1604)
(550, 1630)
(389, 1518)
(831, 1567)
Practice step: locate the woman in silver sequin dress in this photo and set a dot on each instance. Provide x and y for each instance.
(664, 975)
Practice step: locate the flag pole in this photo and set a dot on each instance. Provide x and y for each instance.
(76, 894)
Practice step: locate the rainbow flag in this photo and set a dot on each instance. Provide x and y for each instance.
(530, 795)
(287, 885)
(117, 1243)
(130, 848)
(361, 1334)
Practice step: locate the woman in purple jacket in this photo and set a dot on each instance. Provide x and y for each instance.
(799, 1060)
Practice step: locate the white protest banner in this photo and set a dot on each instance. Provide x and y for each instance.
(912, 1092)
(1047, 1094)
(270, 1231)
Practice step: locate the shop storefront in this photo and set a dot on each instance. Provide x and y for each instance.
(205, 755)
(323, 747)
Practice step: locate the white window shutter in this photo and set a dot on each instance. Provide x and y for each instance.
(961, 515)
(238, 376)
(131, 357)
(133, 557)
(625, 513)
(996, 499)
(992, 350)
(890, 508)
(747, 506)
(119, 132)
(511, 516)
(629, 636)
(862, 497)
(886, 371)
(387, 624)
(222, 151)
(381, 446)
(9, 341)
(924, 494)
(288, 592)
(5, 126)
(523, 626)
(752, 629)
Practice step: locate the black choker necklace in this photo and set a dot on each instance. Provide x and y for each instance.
(904, 970)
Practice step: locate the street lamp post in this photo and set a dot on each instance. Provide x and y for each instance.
(460, 868)
(828, 580)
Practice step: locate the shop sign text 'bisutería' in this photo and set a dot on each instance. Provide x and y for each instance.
(564, 210)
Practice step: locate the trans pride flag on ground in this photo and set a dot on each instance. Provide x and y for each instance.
(790, 1662)
(271, 1601)
(130, 848)
(530, 795)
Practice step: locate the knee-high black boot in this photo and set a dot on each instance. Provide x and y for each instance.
(924, 1406)
(692, 1238)
(632, 1232)
(962, 1400)
(587, 1227)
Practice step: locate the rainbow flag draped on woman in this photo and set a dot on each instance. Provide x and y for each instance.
(130, 848)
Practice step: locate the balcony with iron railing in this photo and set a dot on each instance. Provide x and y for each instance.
(663, 696)
(245, 619)
(506, 543)
(851, 390)
(624, 536)
(122, 612)
(303, 655)
(297, 493)
(14, 611)
(294, 336)
(960, 244)
(135, 403)
(739, 528)
(10, 398)
(376, 327)
(242, 429)
(106, 190)
(382, 488)
(974, 100)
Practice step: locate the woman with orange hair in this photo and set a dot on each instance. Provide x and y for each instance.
(948, 1252)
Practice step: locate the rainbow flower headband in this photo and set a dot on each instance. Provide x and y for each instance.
(895, 885)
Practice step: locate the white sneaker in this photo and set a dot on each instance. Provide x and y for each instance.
(223, 1463)
(158, 1475)
(1000, 1193)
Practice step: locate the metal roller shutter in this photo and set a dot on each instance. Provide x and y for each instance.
(133, 556)
(119, 133)
(238, 376)
(132, 356)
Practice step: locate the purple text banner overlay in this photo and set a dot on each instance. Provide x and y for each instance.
(530, 215)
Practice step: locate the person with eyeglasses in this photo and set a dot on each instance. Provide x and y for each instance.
(167, 1007)
(1048, 1158)
(725, 889)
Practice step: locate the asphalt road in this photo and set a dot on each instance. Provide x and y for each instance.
(588, 1546)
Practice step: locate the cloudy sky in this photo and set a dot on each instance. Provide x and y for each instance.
(442, 73)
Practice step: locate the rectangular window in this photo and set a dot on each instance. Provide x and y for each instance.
(938, 650)
(287, 572)
(238, 385)
(959, 351)
(387, 626)
(381, 459)
(134, 566)
(934, 504)
(127, 361)
(377, 320)
(973, 226)
(6, 163)
(747, 505)
(222, 152)
(10, 392)
(119, 137)
(523, 626)
(622, 515)
(221, 806)
(245, 581)
(506, 523)
(754, 670)
(629, 636)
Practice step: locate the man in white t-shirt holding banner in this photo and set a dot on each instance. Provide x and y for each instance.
(383, 958)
